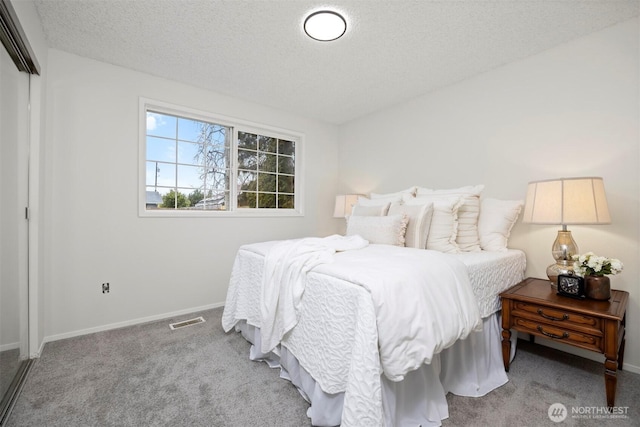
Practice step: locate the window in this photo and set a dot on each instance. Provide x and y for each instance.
(196, 164)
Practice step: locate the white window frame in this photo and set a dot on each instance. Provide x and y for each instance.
(237, 125)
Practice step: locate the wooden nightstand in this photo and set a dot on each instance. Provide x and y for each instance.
(533, 307)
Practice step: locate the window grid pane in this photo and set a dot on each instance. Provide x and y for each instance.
(272, 187)
(187, 162)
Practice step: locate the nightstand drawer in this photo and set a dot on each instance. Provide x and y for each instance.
(559, 318)
(558, 333)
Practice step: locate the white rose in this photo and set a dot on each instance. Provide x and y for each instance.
(594, 262)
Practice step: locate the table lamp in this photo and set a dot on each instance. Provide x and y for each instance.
(566, 201)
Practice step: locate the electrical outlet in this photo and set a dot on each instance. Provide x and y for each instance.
(105, 288)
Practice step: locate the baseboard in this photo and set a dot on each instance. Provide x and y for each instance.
(10, 346)
(631, 368)
(132, 322)
(39, 352)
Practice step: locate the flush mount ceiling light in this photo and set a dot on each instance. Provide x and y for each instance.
(325, 25)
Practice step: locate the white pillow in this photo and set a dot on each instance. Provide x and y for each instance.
(419, 222)
(497, 218)
(468, 239)
(410, 191)
(444, 222)
(468, 189)
(379, 201)
(387, 230)
(376, 210)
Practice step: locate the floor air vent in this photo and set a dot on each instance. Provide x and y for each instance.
(186, 323)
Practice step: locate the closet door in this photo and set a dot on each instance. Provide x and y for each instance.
(14, 97)
(14, 160)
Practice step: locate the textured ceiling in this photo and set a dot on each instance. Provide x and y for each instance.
(394, 50)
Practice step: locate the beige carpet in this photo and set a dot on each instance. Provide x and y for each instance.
(148, 375)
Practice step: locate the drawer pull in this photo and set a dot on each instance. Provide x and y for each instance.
(546, 316)
(564, 334)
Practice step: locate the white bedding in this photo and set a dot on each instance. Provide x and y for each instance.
(336, 338)
(284, 279)
(490, 273)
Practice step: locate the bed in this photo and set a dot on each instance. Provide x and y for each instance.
(374, 328)
(336, 352)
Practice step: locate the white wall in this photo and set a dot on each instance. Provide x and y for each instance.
(570, 111)
(155, 266)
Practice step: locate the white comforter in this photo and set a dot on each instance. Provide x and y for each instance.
(422, 300)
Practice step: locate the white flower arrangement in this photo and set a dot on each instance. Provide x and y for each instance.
(590, 264)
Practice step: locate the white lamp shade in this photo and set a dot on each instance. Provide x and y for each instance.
(567, 201)
(344, 205)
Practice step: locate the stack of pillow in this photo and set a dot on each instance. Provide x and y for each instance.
(452, 221)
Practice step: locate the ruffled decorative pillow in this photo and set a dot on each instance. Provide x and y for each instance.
(444, 222)
(419, 222)
(386, 230)
(467, 238)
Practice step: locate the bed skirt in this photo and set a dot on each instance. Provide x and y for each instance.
(471, 367)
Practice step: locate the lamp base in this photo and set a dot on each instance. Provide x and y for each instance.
(560, 267)
(563, 249)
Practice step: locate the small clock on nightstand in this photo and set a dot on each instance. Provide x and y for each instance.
(571, 286)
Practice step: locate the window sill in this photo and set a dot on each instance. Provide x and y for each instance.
(253, 213)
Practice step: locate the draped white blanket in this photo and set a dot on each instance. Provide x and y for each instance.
(286, 266)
